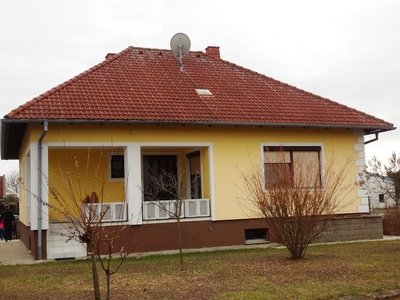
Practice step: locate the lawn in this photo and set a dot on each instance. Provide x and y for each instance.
(334, 271)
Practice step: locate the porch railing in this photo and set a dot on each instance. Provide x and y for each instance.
(113, 211)
(165, 209)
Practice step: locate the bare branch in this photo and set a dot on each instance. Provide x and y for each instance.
(296, 199)
(380, 178)
(164, 185)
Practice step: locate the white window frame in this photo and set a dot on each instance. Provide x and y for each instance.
(110, 155)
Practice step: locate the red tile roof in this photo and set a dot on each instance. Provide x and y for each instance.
(140, 84)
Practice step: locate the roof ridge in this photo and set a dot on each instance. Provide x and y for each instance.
(66, 83)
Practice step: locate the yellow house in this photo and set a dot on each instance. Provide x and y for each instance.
(203, 120)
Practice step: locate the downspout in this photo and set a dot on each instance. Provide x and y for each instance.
(373, 140)
(40, 175)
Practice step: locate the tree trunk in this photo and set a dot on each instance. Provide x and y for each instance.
(96, 283)
(108, 278)
(180, 244)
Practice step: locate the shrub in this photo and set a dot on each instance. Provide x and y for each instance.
(391, 222)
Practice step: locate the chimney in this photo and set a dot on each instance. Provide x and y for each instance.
(213, 51)
(110, 55)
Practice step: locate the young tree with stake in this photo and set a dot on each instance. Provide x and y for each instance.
(78, 195)
(167, 185)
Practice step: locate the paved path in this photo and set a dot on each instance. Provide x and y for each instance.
(14, 252)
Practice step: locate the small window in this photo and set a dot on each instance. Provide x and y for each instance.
(117, 168)
(255, 235)
(381, 198)
(204, 92)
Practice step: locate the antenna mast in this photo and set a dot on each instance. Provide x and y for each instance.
(180, 53)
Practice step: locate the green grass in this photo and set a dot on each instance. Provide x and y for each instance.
(328, 272)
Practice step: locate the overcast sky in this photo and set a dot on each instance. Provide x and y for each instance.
(347, 51)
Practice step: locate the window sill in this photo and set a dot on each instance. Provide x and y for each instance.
(256, 242)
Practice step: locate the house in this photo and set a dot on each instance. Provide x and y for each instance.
(138, 109)
(381, 191)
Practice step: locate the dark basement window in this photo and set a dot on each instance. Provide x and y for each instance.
(255, 235)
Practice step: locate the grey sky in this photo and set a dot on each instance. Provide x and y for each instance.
(347, 51)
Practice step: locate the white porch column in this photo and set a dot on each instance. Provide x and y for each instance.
(133, 183)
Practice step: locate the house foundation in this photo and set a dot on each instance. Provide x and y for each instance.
(154, 237)
(205, 234)
(353, 228)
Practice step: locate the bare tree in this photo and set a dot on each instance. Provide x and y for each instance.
(381, 178)
(167, 186)
(13, 183)
(298, 199)
(378, 177)
(84, 217)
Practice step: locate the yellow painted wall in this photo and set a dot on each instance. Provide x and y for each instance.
(76, 173)
(233, 148)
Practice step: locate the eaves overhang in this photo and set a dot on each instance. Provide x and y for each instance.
(13, 130)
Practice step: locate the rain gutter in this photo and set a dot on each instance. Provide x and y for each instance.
(368, 129)
(374, 139)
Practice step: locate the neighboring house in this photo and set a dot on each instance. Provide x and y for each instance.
(210, 119)
(381, 189)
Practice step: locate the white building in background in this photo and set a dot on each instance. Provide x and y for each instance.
(380, 191)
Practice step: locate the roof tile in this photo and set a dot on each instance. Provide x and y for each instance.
(141, 84)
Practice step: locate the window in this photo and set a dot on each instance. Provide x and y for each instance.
(117, 169)
(381, 198)
(195, 174)
(255, 235)
(159, 167)
(292, 166)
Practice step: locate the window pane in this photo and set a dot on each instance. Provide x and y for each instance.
(277, 175)
(306, 169)
(195, 177)
(277, 157)
(117, 166)
(159, 168)
(195, 186)
(381, 198)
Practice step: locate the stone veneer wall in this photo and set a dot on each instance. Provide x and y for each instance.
(352, 228)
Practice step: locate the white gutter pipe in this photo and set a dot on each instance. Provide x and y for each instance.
(40, 175)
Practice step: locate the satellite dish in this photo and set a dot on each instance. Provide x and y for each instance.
(180, 45)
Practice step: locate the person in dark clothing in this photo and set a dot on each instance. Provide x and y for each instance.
(1, 231)
(7, 217)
